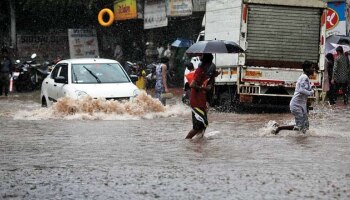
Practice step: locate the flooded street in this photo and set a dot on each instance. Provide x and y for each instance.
(58, 153)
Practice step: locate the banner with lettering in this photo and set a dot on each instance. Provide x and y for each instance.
(336, 21)
(155, 14)
(125, 9)
(47, 46)
(83, 43)
(176, 8)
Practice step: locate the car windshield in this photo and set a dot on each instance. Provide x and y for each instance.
(98, 73)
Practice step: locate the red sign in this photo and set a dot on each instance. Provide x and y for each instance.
(332, 19)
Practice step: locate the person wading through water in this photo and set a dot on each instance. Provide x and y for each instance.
(298, 104)
(198, 99)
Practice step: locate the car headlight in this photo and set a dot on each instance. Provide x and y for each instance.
(136, 92)
(80, 93)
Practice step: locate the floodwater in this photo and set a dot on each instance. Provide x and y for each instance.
(94, 149)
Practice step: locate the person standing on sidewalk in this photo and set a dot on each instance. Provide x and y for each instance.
(5, 72)
(118, 53)
(340, 76)
(327, 76)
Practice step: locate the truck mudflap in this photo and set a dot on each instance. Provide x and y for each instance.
(274, 82)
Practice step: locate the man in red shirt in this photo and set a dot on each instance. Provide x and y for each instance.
(198, 101)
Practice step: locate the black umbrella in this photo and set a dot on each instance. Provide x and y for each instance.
(214, 46)
(233, 47)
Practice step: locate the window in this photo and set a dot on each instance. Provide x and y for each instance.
(54, 72)
(64, 71)
(98, 73)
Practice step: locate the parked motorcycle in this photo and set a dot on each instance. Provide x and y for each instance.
(30, 75)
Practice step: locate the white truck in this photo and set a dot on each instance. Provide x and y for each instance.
(277, 36)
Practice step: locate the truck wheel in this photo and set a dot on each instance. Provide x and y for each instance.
(224, 102)
(227, 103)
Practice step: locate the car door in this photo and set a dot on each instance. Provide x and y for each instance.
(51, 85)
(61, 87)
(55, 89)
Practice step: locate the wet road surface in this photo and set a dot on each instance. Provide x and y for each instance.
(49, 153)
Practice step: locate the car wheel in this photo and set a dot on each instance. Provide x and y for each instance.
(43, 102)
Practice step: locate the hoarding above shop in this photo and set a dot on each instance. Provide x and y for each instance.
(155, 14)
(336, 21)
(125, 9)
(176, 8)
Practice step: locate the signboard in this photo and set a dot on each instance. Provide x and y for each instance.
(83, 43)
(46, 46)
(336, 22)
(177, 8)
(125, 9)
(155, 14)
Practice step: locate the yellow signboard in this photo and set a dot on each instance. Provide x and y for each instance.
(125, 9)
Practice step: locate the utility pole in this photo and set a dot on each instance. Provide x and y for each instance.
(13, 24)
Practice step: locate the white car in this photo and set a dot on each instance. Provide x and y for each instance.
(95, 77)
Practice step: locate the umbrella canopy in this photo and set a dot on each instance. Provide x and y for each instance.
(336, 39)
(346, 48)
(214, 46)
(233, 47)
(182, 43)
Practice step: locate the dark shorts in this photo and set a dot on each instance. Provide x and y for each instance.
(199, 119)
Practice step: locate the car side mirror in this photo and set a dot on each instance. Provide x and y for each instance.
(61, 79)
(134, 78)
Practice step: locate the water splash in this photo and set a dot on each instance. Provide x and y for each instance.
(267, 129)
(212, 135)
(143, 106)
